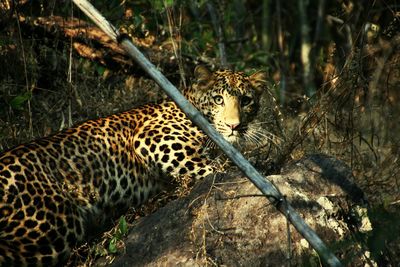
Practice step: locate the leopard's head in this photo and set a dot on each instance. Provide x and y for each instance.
(230, 100)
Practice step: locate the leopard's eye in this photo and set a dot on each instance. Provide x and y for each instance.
(219, 100)
(245, 100)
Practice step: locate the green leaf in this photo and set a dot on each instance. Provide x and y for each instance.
(123, 226)
(160, 5)
(100, 70)
(18, 101)
(112, 247)
(137, 21)
(168, 3)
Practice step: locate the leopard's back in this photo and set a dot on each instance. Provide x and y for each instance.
(58, 191)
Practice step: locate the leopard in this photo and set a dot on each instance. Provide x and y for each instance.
(56, 191)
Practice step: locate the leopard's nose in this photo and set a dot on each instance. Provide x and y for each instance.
(233, 126)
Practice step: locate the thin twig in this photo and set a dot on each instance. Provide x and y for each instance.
(289, 236)
(69, 76)
(176, 42)
(28, 89)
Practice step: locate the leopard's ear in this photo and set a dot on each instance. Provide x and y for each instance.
(258, 80)
(203, 75)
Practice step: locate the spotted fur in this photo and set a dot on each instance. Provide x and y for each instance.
(57, 191)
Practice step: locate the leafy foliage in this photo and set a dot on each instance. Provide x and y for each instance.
(18, 101)
(122, 230)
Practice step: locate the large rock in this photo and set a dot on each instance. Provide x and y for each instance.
(222, 222)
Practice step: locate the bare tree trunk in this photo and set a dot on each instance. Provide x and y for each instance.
(218, 27)
(306, 55)
(266, 17)
(283, 65)
(240, 31)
